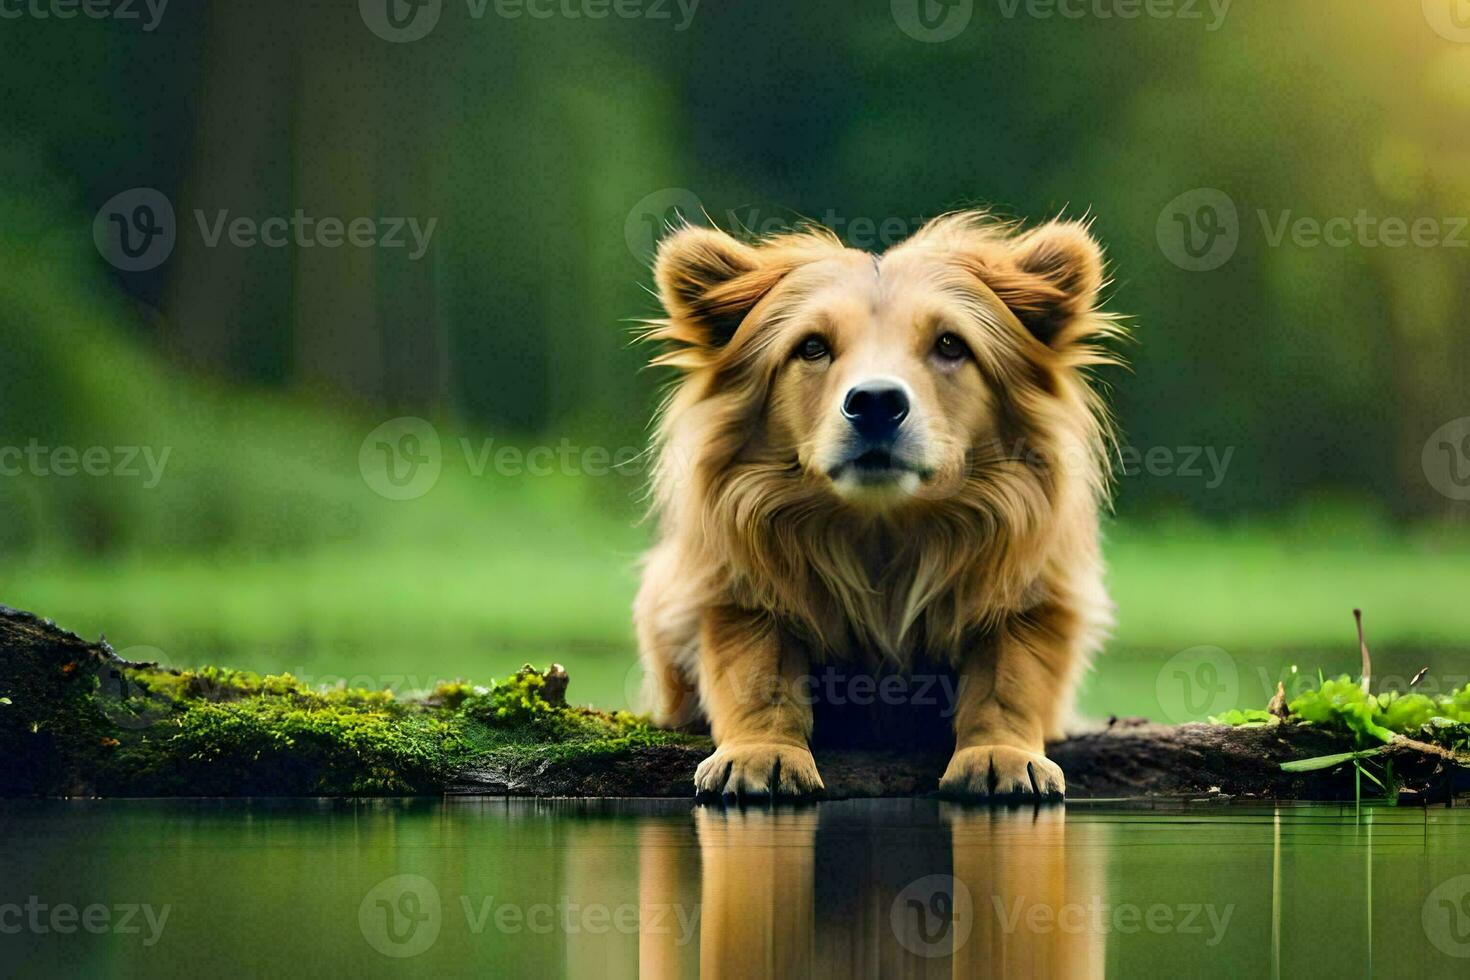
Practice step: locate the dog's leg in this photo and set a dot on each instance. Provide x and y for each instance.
(668, 694)
(668, 630)
(750, 682)
(1009, 698)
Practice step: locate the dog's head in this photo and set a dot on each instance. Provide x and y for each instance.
(886, 383)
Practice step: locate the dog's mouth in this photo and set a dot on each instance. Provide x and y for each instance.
(875, 466)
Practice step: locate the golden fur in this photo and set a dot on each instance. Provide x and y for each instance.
(979, 551)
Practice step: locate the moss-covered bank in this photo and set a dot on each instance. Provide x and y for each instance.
(76, 720)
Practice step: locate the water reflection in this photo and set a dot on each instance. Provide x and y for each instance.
(921, 890)
(890, 888)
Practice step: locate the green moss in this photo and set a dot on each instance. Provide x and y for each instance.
(87, 723)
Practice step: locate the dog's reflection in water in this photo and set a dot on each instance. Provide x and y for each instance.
(890, 889)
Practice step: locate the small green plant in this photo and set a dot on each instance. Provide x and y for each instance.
(1374, 720)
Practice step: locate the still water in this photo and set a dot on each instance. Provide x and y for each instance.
(887, 888)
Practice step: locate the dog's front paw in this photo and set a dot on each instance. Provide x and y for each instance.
(758, 769)
(991, 771)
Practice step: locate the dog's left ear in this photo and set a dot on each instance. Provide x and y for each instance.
(1054, 275)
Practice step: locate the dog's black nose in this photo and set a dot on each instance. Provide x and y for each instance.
(875, 409)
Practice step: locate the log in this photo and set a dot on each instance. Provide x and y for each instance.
(76, 720)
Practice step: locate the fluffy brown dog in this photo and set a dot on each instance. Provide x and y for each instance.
(877, 462)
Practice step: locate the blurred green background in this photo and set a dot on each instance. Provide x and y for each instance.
(549, 151)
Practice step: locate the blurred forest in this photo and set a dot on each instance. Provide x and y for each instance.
(548, 151)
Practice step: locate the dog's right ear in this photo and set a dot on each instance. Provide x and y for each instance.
(708, 282)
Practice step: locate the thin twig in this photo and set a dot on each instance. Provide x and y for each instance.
(1363, 646)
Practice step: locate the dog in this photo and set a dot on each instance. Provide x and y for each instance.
(872, 462)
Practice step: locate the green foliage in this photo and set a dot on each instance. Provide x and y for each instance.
(518, 706)
(1329, 761)
(1341, 703)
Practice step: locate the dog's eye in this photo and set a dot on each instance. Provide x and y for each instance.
(813, 349)
(951, 348)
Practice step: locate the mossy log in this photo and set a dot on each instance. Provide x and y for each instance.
(75, 720)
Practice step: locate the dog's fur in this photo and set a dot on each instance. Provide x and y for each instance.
(977, 552)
